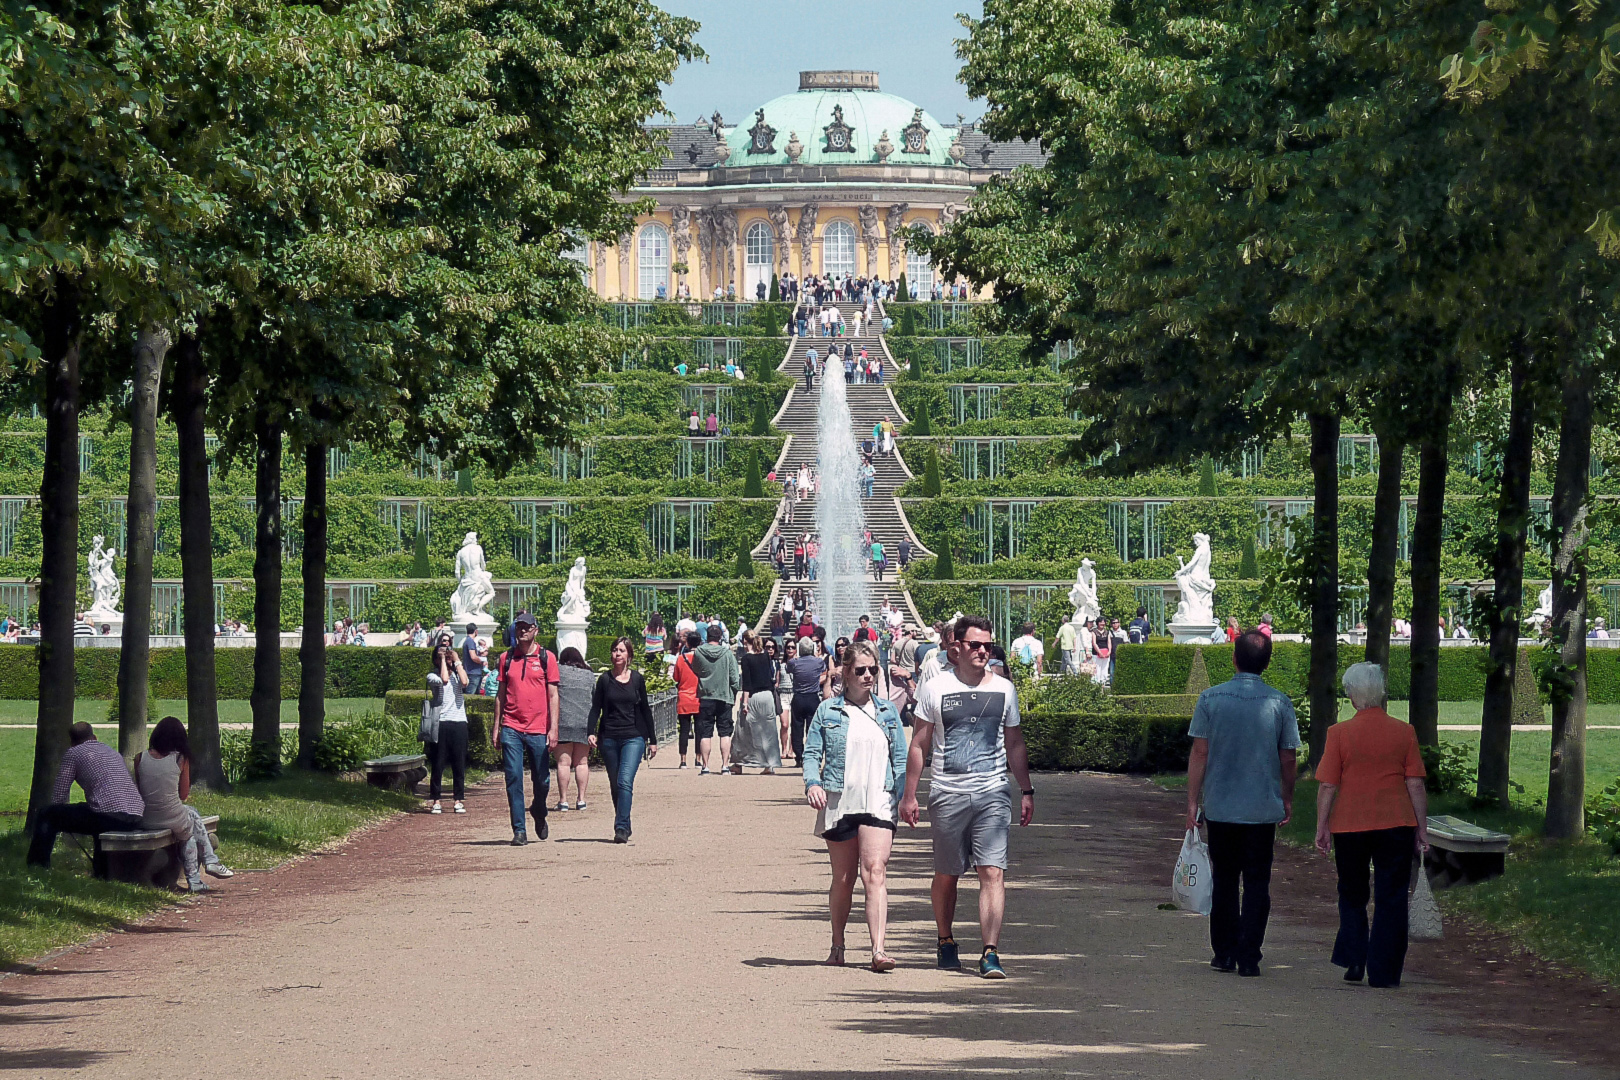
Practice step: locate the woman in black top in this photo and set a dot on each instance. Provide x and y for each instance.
(621, 726)
(758, 742)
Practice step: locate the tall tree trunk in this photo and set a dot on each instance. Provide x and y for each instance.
(59, 522)
(1324, 671)
(312, 650)
(134, 657)
(266, 694)
(190, 406)
(1426, 536)
(1504, 615)
(1381, 562)
(1566, 777)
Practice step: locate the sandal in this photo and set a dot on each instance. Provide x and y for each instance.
(835, 958)
(882, 962)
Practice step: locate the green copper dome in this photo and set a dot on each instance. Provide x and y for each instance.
(827, 120)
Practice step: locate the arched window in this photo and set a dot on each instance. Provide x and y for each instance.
(652, 261)
(919, 272)
(838, 248)
(760, 253)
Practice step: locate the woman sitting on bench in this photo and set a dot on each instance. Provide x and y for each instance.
(163, 774)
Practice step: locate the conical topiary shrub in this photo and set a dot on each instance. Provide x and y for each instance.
(762, 418)
(775, 295)
(908, 323)
(753, 487)
(932, 488)
(923, 424)
(1198, 677)
(902, 294)
(745, 563)
(419, 555)
(1249, 567)
(944, 567)
(1206, 478)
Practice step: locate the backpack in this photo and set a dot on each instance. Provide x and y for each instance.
(1026, 654)
(1137, 634)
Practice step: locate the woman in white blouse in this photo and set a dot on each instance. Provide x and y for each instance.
(854, 769)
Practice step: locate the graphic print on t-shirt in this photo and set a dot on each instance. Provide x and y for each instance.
(973, 721)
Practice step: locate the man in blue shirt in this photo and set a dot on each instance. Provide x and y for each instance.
(1242, 764)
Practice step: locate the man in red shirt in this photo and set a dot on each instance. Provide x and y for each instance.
(525, 703)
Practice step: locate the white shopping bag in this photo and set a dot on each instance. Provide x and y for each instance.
(1193, 887)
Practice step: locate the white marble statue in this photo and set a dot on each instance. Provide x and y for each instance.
(1084, 594)
(1197, 605)
(103, 582)
(476, 591)
(575, 608)
(1543, 610)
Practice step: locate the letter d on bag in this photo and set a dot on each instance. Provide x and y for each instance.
(1191, 886)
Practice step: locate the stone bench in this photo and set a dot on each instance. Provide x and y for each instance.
(396, 772)
(142, 856)
(1461, 852)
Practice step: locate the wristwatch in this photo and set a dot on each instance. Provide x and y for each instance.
(1029, 791)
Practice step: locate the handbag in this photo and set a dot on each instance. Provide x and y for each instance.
(1192, 886)
(428, 732)
(1422, 913)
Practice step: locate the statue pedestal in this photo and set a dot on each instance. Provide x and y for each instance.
(113, 619)
(486, 630)
(571, 633)
(1192, 633)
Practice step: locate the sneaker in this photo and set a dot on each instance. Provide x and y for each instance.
(434, 809)
(196, 884)
(579, 805)
(990, 966)
(948, 958)
(703, 771)
(220, 870)
(560, 806)
(621, 836)
(519, 839)
(459, 808)
(683, 764)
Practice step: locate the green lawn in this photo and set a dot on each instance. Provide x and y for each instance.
(261, 825)
(1467, 712)
(1561, 900)
(230, 711)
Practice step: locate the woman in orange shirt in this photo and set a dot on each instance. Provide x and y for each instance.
(1371, 803)
(686, 685)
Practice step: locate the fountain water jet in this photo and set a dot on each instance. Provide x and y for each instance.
(840, 518)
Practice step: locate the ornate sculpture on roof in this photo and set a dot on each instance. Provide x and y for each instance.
(957, 151)
(794, 149)
(884, 148)
(840, 136)
(717, 126)
(722, 151)
(915, 135)
(761, 137)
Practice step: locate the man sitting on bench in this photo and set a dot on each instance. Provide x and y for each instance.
(113, 803)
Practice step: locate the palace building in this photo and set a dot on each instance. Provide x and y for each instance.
(820, 181)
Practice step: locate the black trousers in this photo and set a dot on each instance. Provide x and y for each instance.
(1240, 854)
(1387, 853)
(803, 707)
(452, 751)
(688, 722)
(73, 818)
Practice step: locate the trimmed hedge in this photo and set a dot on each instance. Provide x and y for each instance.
(480, 715)
(1107, 742)
(1157, 669)
(1157, 704)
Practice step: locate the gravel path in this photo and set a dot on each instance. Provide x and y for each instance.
(429, 948)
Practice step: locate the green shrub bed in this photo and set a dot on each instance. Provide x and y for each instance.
(1107, 742)
(407, 704)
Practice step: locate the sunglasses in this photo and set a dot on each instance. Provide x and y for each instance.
(974, 645)
(864, 669)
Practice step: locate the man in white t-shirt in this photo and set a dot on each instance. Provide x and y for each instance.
(967, 727)
(1027, 648)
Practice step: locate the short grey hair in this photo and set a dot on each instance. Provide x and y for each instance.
(1364, 685)
(807, 646)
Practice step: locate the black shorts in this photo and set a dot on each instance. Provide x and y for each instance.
(712, 715)
(849, 826)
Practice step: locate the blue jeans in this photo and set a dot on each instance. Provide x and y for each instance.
(515, 746)
(622, 758)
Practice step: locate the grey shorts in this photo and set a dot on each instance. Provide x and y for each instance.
(969, 830)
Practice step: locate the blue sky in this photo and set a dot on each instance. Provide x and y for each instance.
(756, 51)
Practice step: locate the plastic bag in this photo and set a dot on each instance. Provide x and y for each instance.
(1422, 913)
(1193, 887)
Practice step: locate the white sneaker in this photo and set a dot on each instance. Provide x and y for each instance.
(221, 870)
(459, 808)
(435, 809)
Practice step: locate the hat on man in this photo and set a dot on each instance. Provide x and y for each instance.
(525, 619)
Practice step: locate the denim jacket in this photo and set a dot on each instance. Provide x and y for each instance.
(824, 745)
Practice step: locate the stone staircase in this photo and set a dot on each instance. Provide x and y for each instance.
(868, 405)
